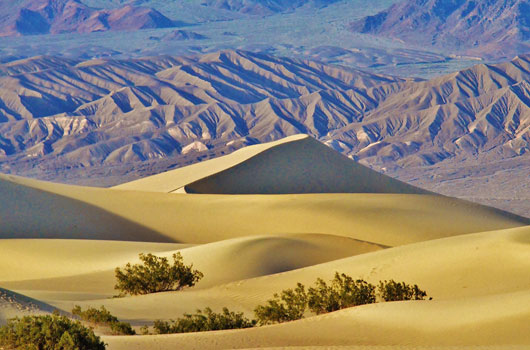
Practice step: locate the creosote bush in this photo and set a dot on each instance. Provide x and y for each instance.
(203, 321)
(397, 291)
(155, 274)
(49, 332)
(341, 293)
(289, 305)
(103, 317)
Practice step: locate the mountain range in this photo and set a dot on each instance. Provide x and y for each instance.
(72, 16)
(85, 29)
(483, 28)
(79, 119)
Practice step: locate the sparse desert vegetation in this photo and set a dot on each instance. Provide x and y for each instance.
(397, 291)
(341, 292)
(102, 317)
(48, 332)
(204, 320)
(155, 274)
(289, 305)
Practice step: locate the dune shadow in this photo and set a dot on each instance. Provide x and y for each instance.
(27, 212)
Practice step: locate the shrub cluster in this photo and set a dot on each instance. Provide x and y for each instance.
(103, 317)
(396, 291)
(203, 321)
(289, 305)
(49, 332)
(155, 274)
(342, 292)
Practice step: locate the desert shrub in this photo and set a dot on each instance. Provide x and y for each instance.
(93, 315)
(203, 321)
(144, 330)
(342, 292)
(163, 327)
(122, 328)
(155, 274)
(397, 291)
(49, 332)
(289, 305)
(104, 318)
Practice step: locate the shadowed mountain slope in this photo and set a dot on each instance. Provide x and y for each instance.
(483, 28)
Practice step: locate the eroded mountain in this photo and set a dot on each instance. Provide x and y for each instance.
(483, 28)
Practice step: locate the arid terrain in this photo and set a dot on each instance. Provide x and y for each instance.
(258, 221)
(382, 147)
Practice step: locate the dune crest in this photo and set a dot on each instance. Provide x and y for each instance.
(295, 164)
(300, 166)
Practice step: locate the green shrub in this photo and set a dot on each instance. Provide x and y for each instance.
(121, 328)
(203, 321)
(144, 330)
(397, 291)
(343, 292)
(50, 332)
(155, 274)
(93, 315)
(104, 318)
(289, 305)
(163, 327)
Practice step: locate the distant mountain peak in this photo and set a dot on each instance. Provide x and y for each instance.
(68, 16)
(486, 28)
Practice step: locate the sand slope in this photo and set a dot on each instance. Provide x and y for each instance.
(17, 305)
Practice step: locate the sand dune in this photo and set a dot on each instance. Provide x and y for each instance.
(34, 209)
(449, 269)
(25, 259)
(173, 180)
(46, 265)
(404, 214)
(297, 164)
(473, 260)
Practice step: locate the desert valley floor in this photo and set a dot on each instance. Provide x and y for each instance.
(257, 221)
